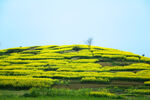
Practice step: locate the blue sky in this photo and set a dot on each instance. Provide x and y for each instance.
(120, 24)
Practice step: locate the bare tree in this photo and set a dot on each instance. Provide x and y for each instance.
(89, 43)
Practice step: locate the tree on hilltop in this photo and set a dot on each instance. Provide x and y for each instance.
(89, 43)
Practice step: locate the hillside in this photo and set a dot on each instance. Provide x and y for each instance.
(74, 67)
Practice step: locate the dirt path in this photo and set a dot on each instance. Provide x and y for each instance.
(75, 84)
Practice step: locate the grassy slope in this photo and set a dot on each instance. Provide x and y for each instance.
(59, 98)
(68, 66)
(69, 98)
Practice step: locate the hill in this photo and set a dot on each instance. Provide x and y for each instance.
(75, 67)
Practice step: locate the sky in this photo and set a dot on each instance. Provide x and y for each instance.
(119, 24)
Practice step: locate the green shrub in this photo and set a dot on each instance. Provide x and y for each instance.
(76, 48)
(104, 94)
(34, 92)
(14, 50)
(94, 80)
(140, 91)
(31, 52)
(147, 83)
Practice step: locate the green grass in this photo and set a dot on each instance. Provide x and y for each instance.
(69, 98)
(55, 98)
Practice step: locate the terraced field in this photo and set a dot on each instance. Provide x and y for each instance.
(107, 72)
